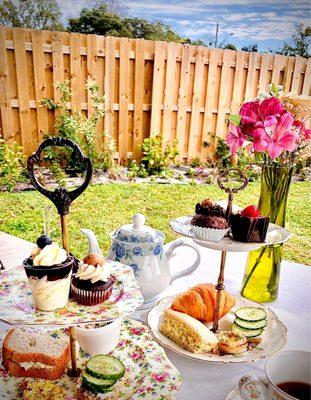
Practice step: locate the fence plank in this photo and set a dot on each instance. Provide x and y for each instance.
(139, 97)
(296, 74)
(278, 65)
(75, 72)
(237, 98)
(288, 74)
(263, 77)
(58, 65)
(223, 94)
(109, 84)
(182, 99)
(168, 92)
(215, 56)
(124, 98)
(40, 84)
(5, 105)
(250, 81)
(196, 100)
(22, 89)
(157, 87)
(307, 81)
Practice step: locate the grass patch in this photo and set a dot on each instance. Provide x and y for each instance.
(105, 207)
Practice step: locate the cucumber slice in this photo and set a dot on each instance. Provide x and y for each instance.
(96, 382)
(105, 367)
(96, 390)
(248, 333)
(251, 313)
(250, 324)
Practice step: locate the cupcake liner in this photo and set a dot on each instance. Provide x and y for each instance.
(90, 297)
(211, 234)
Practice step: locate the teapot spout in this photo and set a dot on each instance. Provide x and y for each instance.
(93, 242)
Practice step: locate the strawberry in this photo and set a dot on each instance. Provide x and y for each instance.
(251, 211)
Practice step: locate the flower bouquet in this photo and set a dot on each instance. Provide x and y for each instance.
(274, 126)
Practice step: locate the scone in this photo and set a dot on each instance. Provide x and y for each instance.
(187, 332)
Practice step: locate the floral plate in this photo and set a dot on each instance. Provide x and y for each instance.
(276, 234)
(150, 374)
(273, 338)
(17, 306)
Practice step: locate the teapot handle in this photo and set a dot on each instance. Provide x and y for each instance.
(193, 267)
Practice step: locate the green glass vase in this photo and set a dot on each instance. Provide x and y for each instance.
(262, 272)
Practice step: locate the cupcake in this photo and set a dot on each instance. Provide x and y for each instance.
(249, 225)
(209, 208)
(49, 274)
(209, 227)
(93, 282)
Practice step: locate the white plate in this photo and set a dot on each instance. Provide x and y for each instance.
(273, 339)
(276, 234)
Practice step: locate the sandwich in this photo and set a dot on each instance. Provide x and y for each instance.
(32, 353)
(187, 332)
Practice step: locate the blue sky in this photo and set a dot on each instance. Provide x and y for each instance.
(241, 22)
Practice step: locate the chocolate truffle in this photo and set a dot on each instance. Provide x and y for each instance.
(209, 222)
(209, 208)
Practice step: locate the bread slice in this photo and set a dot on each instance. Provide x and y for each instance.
(187, 332)
(33, 353)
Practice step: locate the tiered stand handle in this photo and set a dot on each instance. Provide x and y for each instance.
(223, 181)
(62, 199)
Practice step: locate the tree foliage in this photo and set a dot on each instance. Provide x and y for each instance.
(35, 14)
(251, 47)
(102, 21)
(300, 43)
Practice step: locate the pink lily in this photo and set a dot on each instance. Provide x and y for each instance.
(275, 136)
(235, 138)
(254, 112)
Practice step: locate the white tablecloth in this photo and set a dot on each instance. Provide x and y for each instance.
(213, 382)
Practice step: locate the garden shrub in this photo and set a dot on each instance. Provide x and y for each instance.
(12, 165)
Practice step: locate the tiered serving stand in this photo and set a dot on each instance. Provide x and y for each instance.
(231, 181)
(147, 362)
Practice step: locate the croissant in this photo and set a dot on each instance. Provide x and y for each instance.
(200, 301)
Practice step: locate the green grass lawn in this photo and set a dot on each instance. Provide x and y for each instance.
(105, 207)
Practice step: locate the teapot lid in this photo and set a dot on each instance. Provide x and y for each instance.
(137, 232)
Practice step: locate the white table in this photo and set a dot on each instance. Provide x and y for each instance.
(208, 381)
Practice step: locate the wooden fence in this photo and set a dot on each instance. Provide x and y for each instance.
(182, 91)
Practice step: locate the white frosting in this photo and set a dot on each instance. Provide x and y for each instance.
(50, 295)
(94, 274)
(30, 364)
(50, 255)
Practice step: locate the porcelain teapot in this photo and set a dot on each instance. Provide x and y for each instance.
(142, 247)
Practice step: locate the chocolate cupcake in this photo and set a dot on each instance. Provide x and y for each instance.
(49, 274)
(249, 226)
(209, 227)
(209, 208)
(93, 282)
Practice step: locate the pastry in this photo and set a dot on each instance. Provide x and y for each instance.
(92, 284)
(102, 379)
(32, 353)
(249, 225)
(187, 332)
(209, 227)
(209, 208)
(200, 301)
(49, 273)
(230, 342)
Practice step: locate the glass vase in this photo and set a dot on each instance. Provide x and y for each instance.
(262, 272)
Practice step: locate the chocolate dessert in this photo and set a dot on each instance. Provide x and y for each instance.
(209, 222)
(249, 226)
(93, 282)
(209, 208)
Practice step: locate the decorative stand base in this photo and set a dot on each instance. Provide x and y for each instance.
(74, 371)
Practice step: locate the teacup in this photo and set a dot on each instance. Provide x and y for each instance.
(289, 366)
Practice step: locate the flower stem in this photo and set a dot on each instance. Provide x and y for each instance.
(253, 269)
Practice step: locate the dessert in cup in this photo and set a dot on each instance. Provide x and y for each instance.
(48, 270)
